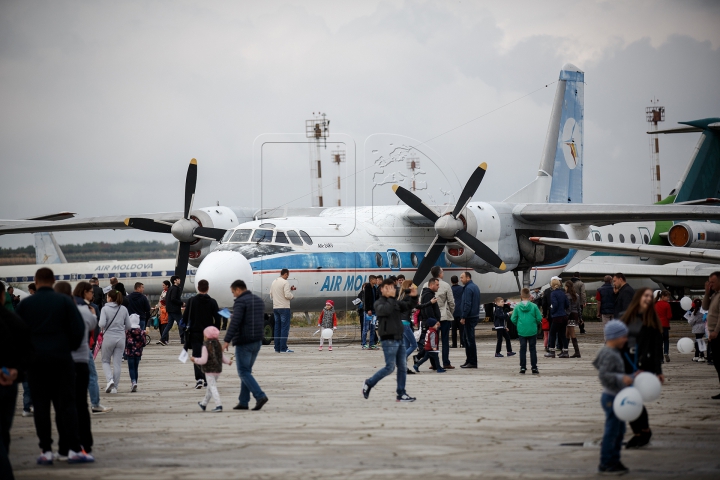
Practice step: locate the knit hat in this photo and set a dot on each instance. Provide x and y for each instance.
(431, 322)
(615, 329)
(211, 333)
(330, 302)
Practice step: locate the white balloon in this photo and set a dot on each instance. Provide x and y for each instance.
(686, 303)
(327, 333)
(648, 385)
(628, 404)
(685, 345)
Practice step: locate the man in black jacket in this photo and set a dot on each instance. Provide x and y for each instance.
(368, 306)
(15, 353)
(428, 309)
(139, 304)
(173, 307)
(56, 329)
(623, 294)
(201, 312)
(390, 328)
(245, 332)
(98, 295)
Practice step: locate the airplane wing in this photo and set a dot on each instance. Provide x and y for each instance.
(51, 217)
(111, 222)
(599, 215)
(654, 251)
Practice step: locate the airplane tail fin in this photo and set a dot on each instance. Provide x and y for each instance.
(560, 174)
(47, 250)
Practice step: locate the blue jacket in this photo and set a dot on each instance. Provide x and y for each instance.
(470, 301)
(247, 321)
(559, 303)
(607, 299)
(457, 291)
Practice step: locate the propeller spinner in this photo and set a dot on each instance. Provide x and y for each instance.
(186, 230)
(449, 227)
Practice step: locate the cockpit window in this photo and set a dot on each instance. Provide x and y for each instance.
(241, 236)
(281, 238)
(262, 236)
(227, 236)
(294, 237)
(306, 237)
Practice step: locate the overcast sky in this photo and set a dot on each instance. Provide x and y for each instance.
(104, 103)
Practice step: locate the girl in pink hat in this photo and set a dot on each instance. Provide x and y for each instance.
(211, 361)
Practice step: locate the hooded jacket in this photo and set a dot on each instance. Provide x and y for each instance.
(138, 304)
(389, 314)
(173, 300)
(527, 317)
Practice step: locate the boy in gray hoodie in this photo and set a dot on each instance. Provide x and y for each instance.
(611, 371)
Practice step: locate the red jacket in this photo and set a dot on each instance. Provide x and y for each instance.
(664, 312)
(431, 340)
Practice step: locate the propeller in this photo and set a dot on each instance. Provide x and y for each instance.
(186, 230)
(449, 227)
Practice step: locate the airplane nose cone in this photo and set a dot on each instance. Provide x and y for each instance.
(221, 269)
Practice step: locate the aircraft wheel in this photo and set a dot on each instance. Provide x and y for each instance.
(268, 329)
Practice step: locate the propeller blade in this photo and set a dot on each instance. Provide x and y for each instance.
(480, 249)
(213, 233)
(470, 188)
(414, 202)
(181, 261)
(148, 225)
(431, 256)
(190, 182)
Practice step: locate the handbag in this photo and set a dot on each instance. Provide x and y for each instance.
(101, 335)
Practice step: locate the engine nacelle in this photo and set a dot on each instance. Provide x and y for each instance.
(212, 217)
(695, 234)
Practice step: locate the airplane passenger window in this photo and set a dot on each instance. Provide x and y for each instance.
(414, 260)
(632, 238)
(378, 260)
(262, 236)
(597, 237)
(610, 237)
(394, 260)
(306, 237)
(281, 238)
(622, 238)
(646, 240)
(294, 237)
(241, 236)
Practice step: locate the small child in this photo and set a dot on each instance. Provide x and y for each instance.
(527, 317)
(134, 345)
(431, 351)
(327, 319)
(696, 318)
(611, 371)
(500, 318)
(211, 360)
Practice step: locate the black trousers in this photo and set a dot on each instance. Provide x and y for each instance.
(52, 382)
(503, 334)
(196, 344)
(557, 327)
(8, 397)
(642, 423)
(82, 378)
(457, 327)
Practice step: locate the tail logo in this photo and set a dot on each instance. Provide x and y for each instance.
(570, 151)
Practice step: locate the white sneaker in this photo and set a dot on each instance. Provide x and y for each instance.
(45, 458)
(110, 386)
(114, 390)
(27, 413)
(79, 457)
(60, 458)
(695, 359)
(98, 409)
(134, 387)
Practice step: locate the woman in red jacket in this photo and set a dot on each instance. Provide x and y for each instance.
(664, 313)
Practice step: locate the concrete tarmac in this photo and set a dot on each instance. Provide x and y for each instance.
(491, 422)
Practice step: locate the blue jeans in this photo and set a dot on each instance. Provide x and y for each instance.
(245, 356)
(133, 363)
(409, 339)
(368, 328)
(282, 328)
(524, 342)
(172, 318)
(445, 327)
(614, 433)
(93, 387)
(27, 401)
(470, 346)
(394, 351)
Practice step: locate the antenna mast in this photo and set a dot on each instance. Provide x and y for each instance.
(413, 164)
(338, 157)
(317, 128)
(654, 115)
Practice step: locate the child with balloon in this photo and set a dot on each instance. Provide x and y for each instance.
(327, 323)
(696, 318)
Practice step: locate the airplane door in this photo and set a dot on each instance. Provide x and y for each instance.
(645, 237)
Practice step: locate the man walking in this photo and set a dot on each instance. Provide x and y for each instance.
(98, 295)
(711, 303)
(173, 307)
(139, 304)
(56, 329)
(245, 332)
(623, 295)
(390, 329)
(446, 304)
(368, 327)
(457, 292)
(281, 294)
(582, 297)
(429, 309)
(605, 297)
(201, 312)
(470, 316)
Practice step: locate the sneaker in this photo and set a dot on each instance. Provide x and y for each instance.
(416, 368)
(202, 406)
(639, 441)
(364, 347)
(522, 371)
(205, 383)
(260, 402)
(218, 409)
(98, 409)
(510, 354)
(550, 354)
(405, 398)
(535, 371)
(109, 386)
(45, 458)
(695, 359)
(667, 358)
(329, 349)
(198, 385)
(27, 413)
(366, 389)
(80, 457)
(414, 357)
(441, 370)
(134, 387)
(289, 351)
(410, 372)
(113, 391)
(60, 457)
(498, 355)
(320, 349)
(617, 469)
